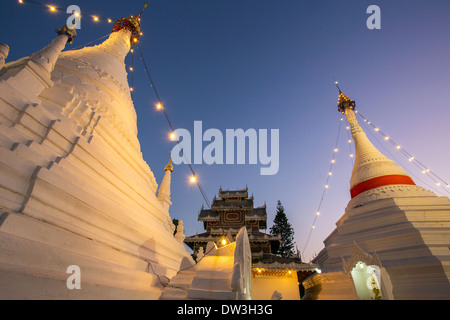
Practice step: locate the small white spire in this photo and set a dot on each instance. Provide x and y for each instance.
(164, 189)
(32, 75)
(180, 236)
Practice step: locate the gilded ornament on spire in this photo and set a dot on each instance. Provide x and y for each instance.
(344, 102)
(133, 24)
(169, 165)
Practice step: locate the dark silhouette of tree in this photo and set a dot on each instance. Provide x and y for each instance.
(282, 227)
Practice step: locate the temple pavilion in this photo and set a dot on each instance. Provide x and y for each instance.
(230, 211)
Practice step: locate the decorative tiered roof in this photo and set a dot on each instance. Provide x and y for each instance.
(230, 211)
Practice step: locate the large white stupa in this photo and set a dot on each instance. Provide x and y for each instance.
(76, 196)
(393, 241)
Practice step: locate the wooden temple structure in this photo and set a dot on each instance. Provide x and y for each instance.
(230, 211)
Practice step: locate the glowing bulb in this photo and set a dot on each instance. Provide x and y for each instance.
(109, 20)
(223, 242)
(330, 173)
(159, 106)
(336, 150)
(131, 89)
(351, 155)
(348, 128)
(327, 186)
(333, 161)
(438, 184)
(135, 39)
(349, 141)
(132, 50)
(313, 227)
(173, 136)
(193, 179)
(131, 68)
(448, 186)
(289, 271)
(95, 18)
(411, 159)
(317, 213)
(20, 1)
(259, 270)
(377, 129)
(336, 82)
(52, 8)
(398, 147)
(386, 138)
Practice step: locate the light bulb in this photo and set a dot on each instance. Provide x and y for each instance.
(193, 179)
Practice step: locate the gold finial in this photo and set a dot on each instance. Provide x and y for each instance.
(133, 24)
(344, 102)
(169, 165)
(145, 7)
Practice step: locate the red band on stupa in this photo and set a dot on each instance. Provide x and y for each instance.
(379, 182)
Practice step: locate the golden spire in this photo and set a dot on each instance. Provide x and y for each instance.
(133, 24)
(169, 165)
(344, 102)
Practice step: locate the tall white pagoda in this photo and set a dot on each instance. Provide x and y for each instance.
(393, 241)
(75, 191)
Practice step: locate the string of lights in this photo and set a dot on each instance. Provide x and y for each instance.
(349, 140)
(160, 107)
(393, 157)
(53, 8)
(438, 181)
(326, 186)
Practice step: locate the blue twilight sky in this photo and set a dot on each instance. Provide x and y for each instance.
(271, 64)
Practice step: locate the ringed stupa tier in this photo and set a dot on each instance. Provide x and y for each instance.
(374, 175)
(392, 241)
(77, 198)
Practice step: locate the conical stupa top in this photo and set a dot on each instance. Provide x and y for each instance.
(372, 169)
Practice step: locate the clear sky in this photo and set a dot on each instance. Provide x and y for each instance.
(271, 64)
